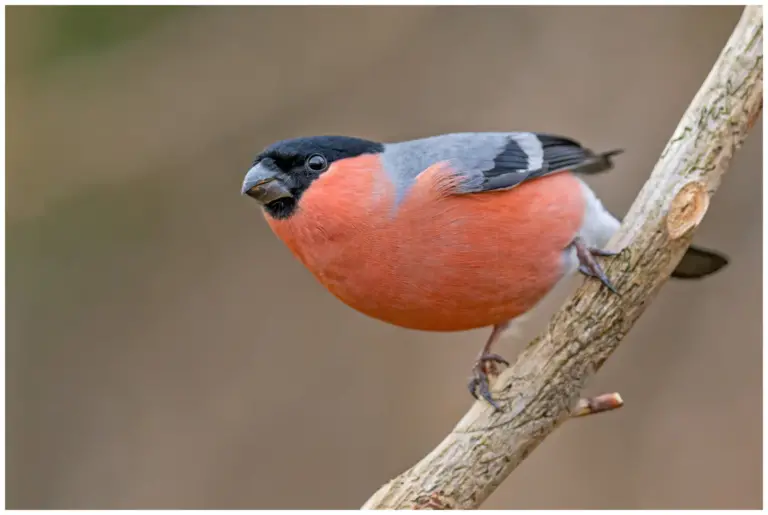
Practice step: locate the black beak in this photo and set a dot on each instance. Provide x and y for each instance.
(264, 185)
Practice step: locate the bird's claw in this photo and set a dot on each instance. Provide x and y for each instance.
(478, 385)
(603, 252)
(589, 265)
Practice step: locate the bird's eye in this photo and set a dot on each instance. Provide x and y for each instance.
(316, 163)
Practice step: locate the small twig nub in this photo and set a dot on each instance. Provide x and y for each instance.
(599, 404)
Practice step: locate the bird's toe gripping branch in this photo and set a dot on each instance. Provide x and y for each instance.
(589, 266)
(479, 386)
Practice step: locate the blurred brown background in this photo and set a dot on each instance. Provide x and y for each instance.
(164, 350)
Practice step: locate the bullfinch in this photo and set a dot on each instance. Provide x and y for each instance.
(446, 233)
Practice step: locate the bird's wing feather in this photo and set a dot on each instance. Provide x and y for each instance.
(529, 155)
(495, 161)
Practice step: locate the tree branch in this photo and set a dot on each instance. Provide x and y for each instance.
(542, 388)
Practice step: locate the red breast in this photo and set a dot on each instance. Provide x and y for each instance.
(434, 261)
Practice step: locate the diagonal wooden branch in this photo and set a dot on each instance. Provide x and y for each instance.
(542, 388)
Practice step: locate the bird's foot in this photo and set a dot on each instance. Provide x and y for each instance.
(589, 266)
(486, 364)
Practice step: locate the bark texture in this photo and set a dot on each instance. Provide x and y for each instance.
(542, 388)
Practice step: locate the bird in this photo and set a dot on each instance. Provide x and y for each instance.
(445, 233)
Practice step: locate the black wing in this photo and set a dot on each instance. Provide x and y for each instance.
(527, 155)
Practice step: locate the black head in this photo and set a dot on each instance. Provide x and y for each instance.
(284, 170)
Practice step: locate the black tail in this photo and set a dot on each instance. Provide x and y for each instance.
(698, 262)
